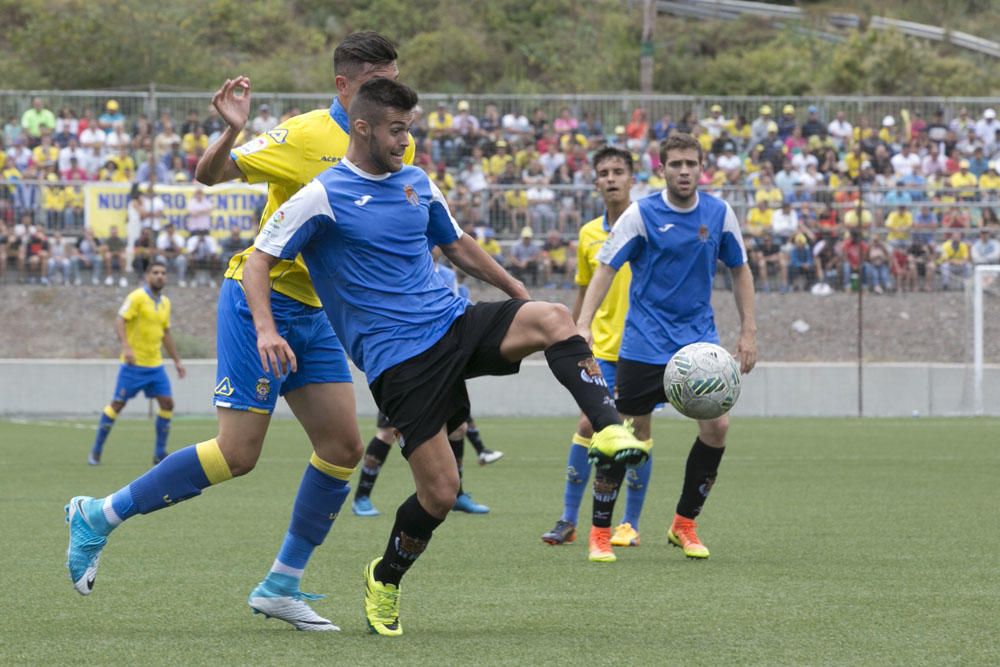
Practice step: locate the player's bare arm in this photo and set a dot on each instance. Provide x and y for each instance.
(600, 283)
(466, 254)
(581, 292)
(168, 344)
(232, 101)
(746, 347)
(276, 355)
(128, 354)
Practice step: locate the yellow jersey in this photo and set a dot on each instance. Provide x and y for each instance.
(609, 320)
(899, 225)
(146, 322)
(287, 158)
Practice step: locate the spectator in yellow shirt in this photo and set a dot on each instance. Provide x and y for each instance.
(954, 259)
(854, 159)
(496, 163)
(964, 182)
(488, 242)
(45, 154)
(768, 192)
(899, 222)
(440, 132)
(194, 140)
(851, 218)
(759, 219)
(989, 183)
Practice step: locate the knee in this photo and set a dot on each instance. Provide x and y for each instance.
(167, 404)
(557, 323)
(117, 406)
(387, 435)
(240, 457)
(713, 432)
(440, 498)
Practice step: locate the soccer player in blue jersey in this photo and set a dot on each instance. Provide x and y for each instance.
(363, 228)
(143, 327)
(672, 240)
(320, 392)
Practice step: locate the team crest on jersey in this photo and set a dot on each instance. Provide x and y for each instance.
(411, 195)
(278, 134)
(703, 233)
(224, 388)
(263, 388)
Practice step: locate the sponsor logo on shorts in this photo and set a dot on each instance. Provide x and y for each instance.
(224, 388)
(263, 388)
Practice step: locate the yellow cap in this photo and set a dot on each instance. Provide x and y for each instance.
(772, 127)
(788, 109)
(526, 233)
(112, 105)
(765, 110)
(716, 107)
(463, 106)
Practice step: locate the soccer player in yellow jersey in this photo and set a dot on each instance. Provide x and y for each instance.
(142, 327)
(614, 177)
(318, 388)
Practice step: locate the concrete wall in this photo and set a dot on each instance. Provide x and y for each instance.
(82, 387)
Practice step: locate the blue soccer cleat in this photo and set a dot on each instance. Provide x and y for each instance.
(465, 503)
(362, 506)
(85, 545)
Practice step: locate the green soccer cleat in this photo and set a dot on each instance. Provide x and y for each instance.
(616, 444)
(381, 605)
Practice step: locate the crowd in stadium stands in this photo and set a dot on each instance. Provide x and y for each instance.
(839, 203)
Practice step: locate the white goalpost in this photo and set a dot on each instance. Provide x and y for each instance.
(984, 276)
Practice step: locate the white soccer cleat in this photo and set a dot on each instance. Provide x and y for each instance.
(291, 609)
(489, 456)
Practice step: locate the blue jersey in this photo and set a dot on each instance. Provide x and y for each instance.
(365, 242)
(673, 254)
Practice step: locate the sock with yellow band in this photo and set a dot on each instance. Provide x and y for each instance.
(162, 433)
(321, 494)
(180, 476)
(108, 417)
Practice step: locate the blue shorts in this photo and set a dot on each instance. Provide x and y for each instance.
(241, 383)
(609, 369)
(151, 380)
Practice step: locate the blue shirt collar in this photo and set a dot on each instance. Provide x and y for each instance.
(156, 299)
(604, 222)
(339, 114)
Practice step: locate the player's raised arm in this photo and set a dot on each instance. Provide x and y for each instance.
(232, 101)
(466, 254)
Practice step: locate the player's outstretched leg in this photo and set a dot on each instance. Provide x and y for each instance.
(180, 476)
(321, 494)
(626, 534)
(375, 456)
(463, 502)
(607, 482)
(577, 476)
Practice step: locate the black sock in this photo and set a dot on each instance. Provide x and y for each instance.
(472, 433)
(410, 535)
(458, 449)
(375, 456)
(699, 476)
(607, 482)
(574, 366)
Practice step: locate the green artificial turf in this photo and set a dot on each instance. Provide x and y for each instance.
(833, 542)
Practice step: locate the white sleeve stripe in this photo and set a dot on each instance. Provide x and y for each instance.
(308, 203)
(732, 226)
(438, 196)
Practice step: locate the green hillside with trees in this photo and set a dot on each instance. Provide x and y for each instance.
(518, 46)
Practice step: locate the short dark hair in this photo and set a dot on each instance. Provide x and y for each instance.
(612, 153)
(156, 262)
(379, 94)
(362, 48)
(680, 141)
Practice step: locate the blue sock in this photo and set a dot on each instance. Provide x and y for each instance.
(320, 497)
(180, 476)
(577, 475)
(121, 502)
(162, 432)
(103, 429)
(637, 480)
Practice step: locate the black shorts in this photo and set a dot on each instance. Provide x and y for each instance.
(639, 387)
(382, 421)
(427, 392)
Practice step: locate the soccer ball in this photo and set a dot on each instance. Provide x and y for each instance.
(702, 381)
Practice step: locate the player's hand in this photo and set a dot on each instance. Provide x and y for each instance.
(276, 354)
(128, 354)
(232, 101)
(746, 352)
(181, 371)
(518, 291)
(586, 334)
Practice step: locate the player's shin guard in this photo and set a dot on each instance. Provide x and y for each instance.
(607, 482)
(375, 455)
(321, 494)
(637, 483)
(410, 535)
(577, 476)
(163, 418)
(108, 417)
(180, 476)
(699, 476)
(574, 366)
(458, 449)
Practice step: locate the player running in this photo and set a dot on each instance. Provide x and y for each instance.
(673, 240)
(416, 340)
(319, 392)
(613, 170)
(143, 327)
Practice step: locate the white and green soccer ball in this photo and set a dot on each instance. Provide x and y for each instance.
(702, 381)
